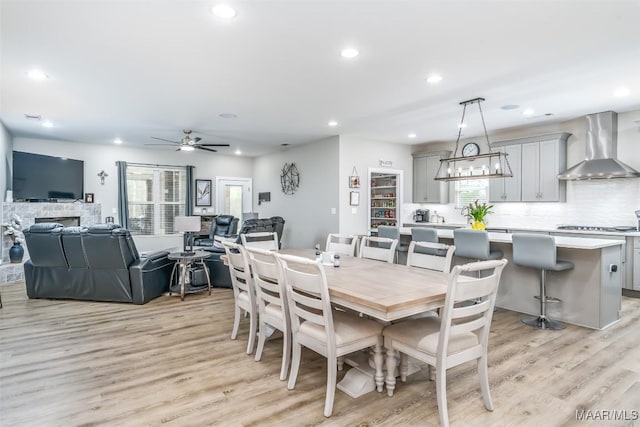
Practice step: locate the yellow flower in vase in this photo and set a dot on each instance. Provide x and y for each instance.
(478, 213)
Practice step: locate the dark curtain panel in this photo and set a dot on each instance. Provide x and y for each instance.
(188, 209)
(123, 205)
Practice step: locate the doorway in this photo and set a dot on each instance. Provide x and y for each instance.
(233, 196)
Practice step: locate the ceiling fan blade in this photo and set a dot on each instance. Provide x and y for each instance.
(196, 139)
(179, 149)
(206, 149)
(213, 145)
(162, 139)
(163, 145)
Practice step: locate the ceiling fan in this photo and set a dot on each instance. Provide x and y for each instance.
(187, 143)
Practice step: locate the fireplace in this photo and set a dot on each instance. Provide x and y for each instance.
(67, 221)
(67, 214)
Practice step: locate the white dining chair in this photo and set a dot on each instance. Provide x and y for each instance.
(243, 290)
(271, 297)
(343, 244)
(315, 325)
(370, 248)
(459, 335)
(432, 256)
(261, 240)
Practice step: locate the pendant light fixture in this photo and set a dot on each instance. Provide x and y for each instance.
(470, 162)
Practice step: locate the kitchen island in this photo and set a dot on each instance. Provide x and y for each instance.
(591, 292)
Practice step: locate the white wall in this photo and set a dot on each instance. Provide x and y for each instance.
(308, 211)
(6, 164)
(103, 157)
(365, 154)
(606, 202)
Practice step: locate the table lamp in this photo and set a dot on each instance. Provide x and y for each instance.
(188, 225)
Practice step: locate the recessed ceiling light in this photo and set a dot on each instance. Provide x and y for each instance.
(332, 123)
(186, 148)
(434, 78)
(510, 107)
(117, 141)
(238, 152)
(37, 75)
(528, 112)
(412, 135)
(228, 115)
(47, 124)
(223, 11)
(349, 53)
(620, 92)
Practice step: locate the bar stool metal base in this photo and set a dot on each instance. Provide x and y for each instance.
(543, 322)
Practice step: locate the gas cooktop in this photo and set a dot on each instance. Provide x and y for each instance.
(618, 229)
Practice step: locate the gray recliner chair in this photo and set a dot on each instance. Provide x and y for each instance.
(222, 225)
(220, 277)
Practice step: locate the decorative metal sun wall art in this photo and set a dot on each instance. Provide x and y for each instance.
(289, 178)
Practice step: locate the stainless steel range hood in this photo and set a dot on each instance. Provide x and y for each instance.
(602, 147)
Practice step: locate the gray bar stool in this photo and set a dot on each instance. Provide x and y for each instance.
(539, 251)
(474, 244)
(425, 234)
(390, 232)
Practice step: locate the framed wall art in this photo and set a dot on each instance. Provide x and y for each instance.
(203, 192)
(354, 179)
(354, 198)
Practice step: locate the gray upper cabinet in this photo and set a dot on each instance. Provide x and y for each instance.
(508, 189)
(536, 163)
(425, 188)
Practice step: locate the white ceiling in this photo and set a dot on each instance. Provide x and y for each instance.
(136, 69)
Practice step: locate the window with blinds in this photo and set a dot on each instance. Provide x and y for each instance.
(155, 195)
(468, 191)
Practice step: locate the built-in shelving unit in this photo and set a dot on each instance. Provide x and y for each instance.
(384, 197)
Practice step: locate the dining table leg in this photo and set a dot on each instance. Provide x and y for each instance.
(378, 360)
(392, 362)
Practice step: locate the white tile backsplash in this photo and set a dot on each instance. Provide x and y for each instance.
(606, 202)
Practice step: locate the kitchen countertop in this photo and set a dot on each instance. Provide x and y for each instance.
(561, 241)
(543, 229)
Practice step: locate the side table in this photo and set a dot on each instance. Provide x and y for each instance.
(184, 264)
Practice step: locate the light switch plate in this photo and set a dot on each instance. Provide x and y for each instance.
(333, 211)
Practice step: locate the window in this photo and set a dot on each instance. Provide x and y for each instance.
(155, 196)
(470, 190)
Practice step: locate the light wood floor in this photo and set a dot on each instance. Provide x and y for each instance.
(70, 363)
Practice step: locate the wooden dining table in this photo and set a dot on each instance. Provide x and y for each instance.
(382, 291)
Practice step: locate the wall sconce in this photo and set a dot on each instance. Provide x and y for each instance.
(102, 176)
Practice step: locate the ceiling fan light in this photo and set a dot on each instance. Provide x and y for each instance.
(187, 148)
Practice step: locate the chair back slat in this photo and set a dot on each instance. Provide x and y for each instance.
(473, 289)
(469, 326)
(261, 240)
(370, 248)
(432, 256)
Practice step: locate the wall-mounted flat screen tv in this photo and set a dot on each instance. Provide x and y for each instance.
(45, 178)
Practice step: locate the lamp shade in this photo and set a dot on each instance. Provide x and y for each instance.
(186, 223)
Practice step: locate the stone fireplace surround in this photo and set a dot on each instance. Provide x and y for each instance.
(65, 213)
